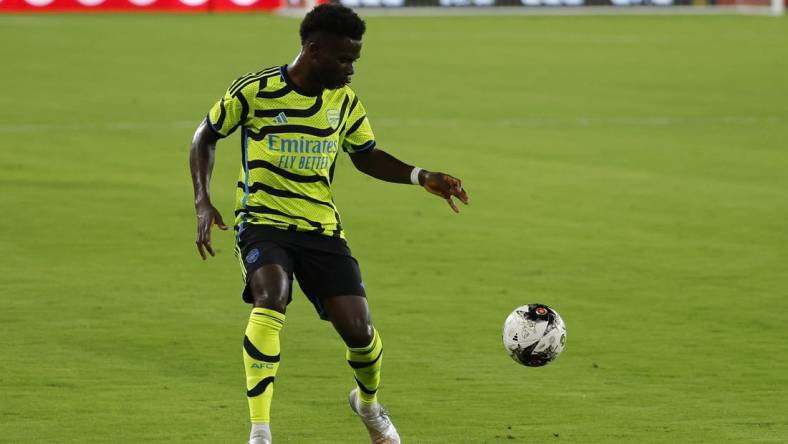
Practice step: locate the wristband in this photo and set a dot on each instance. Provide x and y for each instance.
(414, 175)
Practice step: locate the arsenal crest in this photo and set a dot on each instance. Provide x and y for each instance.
(333, 118)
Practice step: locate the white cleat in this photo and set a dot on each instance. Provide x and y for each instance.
(376, 419)
(260, 437)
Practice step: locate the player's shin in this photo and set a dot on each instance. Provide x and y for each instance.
(366, 363)
(261, 359)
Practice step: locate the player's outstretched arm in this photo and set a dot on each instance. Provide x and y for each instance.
(382, 165)
(201, 158)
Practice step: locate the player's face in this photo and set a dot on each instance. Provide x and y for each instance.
(334, 60)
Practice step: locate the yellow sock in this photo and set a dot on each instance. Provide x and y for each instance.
(366, 363)
(261, 359)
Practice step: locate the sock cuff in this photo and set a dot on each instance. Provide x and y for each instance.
(265, 316)
(368, 348)
(369, 353)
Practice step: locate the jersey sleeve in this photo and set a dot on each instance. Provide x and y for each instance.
(232, 110)
(358, 136)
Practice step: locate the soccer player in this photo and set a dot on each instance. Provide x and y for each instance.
(294, 120)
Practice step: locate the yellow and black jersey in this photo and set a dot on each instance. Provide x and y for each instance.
(289, 146)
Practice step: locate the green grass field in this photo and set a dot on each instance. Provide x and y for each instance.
(631, 172)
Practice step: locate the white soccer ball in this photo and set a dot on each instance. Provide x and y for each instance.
(534, 335)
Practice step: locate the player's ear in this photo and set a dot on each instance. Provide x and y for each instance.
(312, 50)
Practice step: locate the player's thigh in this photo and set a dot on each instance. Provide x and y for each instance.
(270, 286)
(333, 283)
(269, 275)
(349, 314)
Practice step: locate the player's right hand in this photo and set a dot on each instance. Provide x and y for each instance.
(207, 215)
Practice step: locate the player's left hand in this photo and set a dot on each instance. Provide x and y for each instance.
(446, 186)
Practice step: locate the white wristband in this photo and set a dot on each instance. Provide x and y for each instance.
(414, 175)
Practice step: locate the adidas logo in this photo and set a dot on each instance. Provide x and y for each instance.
(280, 118)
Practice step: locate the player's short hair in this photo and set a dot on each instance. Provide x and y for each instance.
(332, 18)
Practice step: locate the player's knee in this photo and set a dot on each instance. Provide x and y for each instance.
(360, 334)
(270, 289)
(271, 296)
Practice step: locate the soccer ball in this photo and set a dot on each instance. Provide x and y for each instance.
(534, 335)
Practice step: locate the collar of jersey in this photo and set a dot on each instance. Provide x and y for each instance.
(291, 84)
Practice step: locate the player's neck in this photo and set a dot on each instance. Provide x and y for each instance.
(299, 73)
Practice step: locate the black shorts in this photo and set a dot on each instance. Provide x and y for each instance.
(322, 265)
